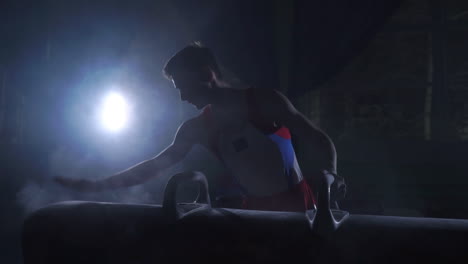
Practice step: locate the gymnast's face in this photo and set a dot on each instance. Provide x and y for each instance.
(195, 87)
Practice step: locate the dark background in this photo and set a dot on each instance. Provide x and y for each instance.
(385, 79)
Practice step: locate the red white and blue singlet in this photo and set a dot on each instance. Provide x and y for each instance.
(263, 169)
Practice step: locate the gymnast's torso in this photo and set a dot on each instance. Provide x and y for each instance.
(257, 153)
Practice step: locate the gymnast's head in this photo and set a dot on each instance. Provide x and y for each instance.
(195, 73)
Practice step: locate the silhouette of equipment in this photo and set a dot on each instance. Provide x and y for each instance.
(92, 232)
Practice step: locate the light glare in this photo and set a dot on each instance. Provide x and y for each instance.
(114, 112)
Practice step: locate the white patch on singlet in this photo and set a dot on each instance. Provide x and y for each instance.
(253, 159)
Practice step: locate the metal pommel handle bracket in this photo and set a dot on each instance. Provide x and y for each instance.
(170, 205)
(323, 220)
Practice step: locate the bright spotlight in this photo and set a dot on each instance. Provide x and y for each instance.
(114, 112)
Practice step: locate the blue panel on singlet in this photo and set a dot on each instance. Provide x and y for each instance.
(287, 152)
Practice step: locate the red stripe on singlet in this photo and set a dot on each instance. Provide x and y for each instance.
(283, 132)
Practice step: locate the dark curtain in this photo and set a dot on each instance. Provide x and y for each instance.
(328, 34)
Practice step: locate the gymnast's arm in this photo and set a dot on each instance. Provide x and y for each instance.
(185, 138)
(277, 107)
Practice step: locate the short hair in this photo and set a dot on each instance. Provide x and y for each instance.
(191, 58)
